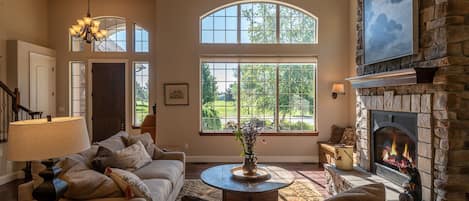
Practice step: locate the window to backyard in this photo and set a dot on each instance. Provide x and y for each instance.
(279, 96)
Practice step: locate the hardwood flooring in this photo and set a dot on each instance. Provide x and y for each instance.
(307, 171)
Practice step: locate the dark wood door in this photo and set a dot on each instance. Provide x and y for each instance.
(108, 99)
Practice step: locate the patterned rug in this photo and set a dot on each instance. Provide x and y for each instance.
(301, 190)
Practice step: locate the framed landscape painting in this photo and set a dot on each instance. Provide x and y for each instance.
(176, 94)
(390, 29)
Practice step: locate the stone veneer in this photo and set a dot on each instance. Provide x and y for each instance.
(442, 107)
(388, 101)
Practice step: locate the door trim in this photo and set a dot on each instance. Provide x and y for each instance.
(89, 98)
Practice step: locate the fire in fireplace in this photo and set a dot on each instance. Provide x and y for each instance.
(395, 149)
(393, 144)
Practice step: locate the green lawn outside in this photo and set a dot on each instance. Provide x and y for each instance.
(228, 109)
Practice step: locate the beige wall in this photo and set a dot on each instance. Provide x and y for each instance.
(22, 20)
(19, 20)
(352, 58)
(62, 14)
(177, 60)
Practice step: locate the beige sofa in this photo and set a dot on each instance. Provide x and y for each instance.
(164, 176)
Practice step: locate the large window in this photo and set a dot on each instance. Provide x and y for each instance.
(261, 23)
(116, 39)
(141, 84)
(77, 88)
(279, 96)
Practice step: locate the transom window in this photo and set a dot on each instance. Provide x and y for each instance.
(141, 39)
(279, 96)
(259, 23)
(116, 39)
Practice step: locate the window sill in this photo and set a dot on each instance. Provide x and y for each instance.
(135, 127)
(313, 133)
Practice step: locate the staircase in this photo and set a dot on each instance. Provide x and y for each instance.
(11, 110)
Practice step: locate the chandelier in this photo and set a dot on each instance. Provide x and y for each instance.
(87, 28)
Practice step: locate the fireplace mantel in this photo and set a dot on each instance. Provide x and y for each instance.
(394, 78)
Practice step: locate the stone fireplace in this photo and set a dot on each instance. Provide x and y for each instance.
(436, 129)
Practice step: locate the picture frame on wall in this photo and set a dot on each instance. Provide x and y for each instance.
(176, 94)
(390, 29)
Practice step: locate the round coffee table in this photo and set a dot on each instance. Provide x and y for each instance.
(238, 190)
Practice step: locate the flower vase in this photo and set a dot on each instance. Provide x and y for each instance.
(250, 165)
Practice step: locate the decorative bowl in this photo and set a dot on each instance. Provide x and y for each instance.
(261, 174)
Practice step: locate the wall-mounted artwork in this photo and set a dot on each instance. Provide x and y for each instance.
(176, 94)
(389, 29)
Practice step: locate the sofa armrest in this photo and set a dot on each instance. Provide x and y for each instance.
(180, 156)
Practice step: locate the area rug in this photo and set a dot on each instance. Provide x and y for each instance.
(300, 190)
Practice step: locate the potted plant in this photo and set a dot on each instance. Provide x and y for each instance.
(247, 136)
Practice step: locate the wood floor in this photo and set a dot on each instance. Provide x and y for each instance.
(309, 171)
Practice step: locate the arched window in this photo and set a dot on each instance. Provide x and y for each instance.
(259, 23)
(116, 39)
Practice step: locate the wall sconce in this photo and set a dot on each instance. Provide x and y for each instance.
(337, 88)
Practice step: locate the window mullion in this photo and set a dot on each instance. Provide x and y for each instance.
(277, 99)
(239, 96)
(277, 27)
(238, 32)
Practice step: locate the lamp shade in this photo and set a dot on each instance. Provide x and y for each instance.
(39, 139)
(338, 88)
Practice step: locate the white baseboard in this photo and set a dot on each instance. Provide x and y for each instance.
(264, 159)
(7, 178)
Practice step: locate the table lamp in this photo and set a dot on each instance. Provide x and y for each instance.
(46, 139)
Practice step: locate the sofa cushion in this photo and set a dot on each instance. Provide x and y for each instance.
(160, 188)
(129, 183)
(84, 183)
(146, 140)
(162, 169)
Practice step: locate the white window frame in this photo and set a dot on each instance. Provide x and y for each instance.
(134, 125)
(274, 60)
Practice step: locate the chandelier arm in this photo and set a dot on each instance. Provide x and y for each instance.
(89, 12)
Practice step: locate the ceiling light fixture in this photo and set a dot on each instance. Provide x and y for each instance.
(87, 28)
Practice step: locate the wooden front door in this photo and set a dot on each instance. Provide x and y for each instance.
(108, 99)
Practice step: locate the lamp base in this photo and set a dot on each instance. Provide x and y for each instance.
(52, 188)
(28, 176)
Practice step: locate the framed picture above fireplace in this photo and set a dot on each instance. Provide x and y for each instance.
(390, 29)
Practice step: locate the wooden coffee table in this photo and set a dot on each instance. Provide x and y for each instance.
(237, 190)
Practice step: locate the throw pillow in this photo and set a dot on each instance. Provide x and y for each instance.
(349, 137)
(336, 134)
(115, 142)
(133, 157)
(371, 192)
(130, 158)
(146, 140)
(104, 158)
(86, 184)
(129, 183)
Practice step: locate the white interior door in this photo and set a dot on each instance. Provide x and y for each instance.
(42, 83)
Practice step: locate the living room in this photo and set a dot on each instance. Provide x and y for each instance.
(199, 82)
